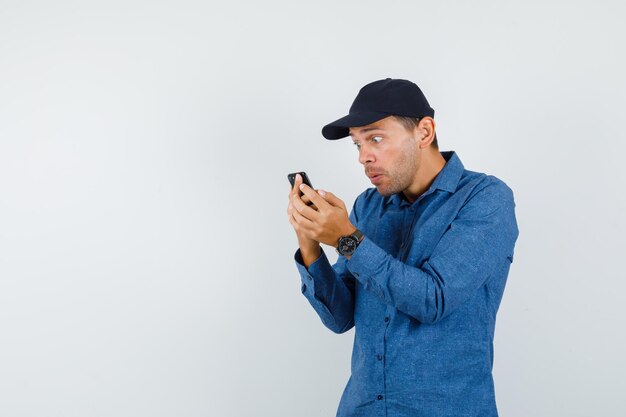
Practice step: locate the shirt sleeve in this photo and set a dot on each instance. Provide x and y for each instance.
(479, 239)
(329, 289)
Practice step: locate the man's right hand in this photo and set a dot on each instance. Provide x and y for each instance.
(309, 248)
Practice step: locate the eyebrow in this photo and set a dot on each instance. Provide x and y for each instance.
(367, 129)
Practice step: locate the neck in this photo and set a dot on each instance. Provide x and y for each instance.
(430, 166)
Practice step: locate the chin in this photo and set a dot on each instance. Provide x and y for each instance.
(385, 192)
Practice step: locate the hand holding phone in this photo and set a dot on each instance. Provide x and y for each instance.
(305, 180)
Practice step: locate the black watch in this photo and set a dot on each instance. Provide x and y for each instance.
(348, 244)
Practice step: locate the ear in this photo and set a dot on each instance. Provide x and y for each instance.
(426, 131)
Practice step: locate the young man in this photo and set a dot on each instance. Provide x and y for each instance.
(424, 261)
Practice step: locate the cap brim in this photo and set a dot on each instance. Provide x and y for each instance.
(340, 128)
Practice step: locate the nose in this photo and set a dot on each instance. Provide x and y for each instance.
(366, 155)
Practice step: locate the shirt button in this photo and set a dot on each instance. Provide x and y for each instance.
(380, 357)
(386, 319)
(356, 274)
(309, 277)
(380, 397)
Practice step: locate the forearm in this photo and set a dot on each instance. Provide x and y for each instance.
(326, 287)
(407, 288)
(310, 251)
(421, 292)
(477, 246)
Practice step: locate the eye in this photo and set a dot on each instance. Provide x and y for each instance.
(376, 139)
(357, 144)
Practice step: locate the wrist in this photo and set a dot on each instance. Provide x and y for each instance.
(346, 231)
(349, 243)
(310, 251)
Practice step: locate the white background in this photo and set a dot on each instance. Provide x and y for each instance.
(145, 255)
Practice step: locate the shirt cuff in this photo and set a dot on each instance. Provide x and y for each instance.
(317, 279)
(316, 269)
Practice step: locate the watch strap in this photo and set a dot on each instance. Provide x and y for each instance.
(358, 235)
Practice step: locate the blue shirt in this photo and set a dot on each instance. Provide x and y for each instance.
(422, 291)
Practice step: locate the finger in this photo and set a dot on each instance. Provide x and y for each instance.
(332, 199)
(296, 227)
(313, 196)
(301, 230)
(297, 181)
(296, 189)
(306, 200)
(296, 184)
(304, 209)
(294, 223)
(303, 223)
(290, 206)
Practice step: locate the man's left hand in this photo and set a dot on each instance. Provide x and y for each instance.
(326, 224)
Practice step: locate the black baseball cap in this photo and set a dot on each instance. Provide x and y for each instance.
(377, 100)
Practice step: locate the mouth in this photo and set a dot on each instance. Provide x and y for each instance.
(375, 177)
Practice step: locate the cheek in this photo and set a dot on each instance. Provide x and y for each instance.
(391, 158)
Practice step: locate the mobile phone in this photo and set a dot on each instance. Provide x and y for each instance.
(305, 178)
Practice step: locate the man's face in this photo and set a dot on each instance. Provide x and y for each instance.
(389, 154)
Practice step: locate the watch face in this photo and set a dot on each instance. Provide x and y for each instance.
(347, 245)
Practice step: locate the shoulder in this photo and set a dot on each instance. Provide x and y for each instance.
(486, 195)
(491, 206)
(495, 189)
(485, 184)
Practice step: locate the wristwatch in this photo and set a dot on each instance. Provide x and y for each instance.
(348, 244)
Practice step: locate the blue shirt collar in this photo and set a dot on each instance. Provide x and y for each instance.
(447, 179)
